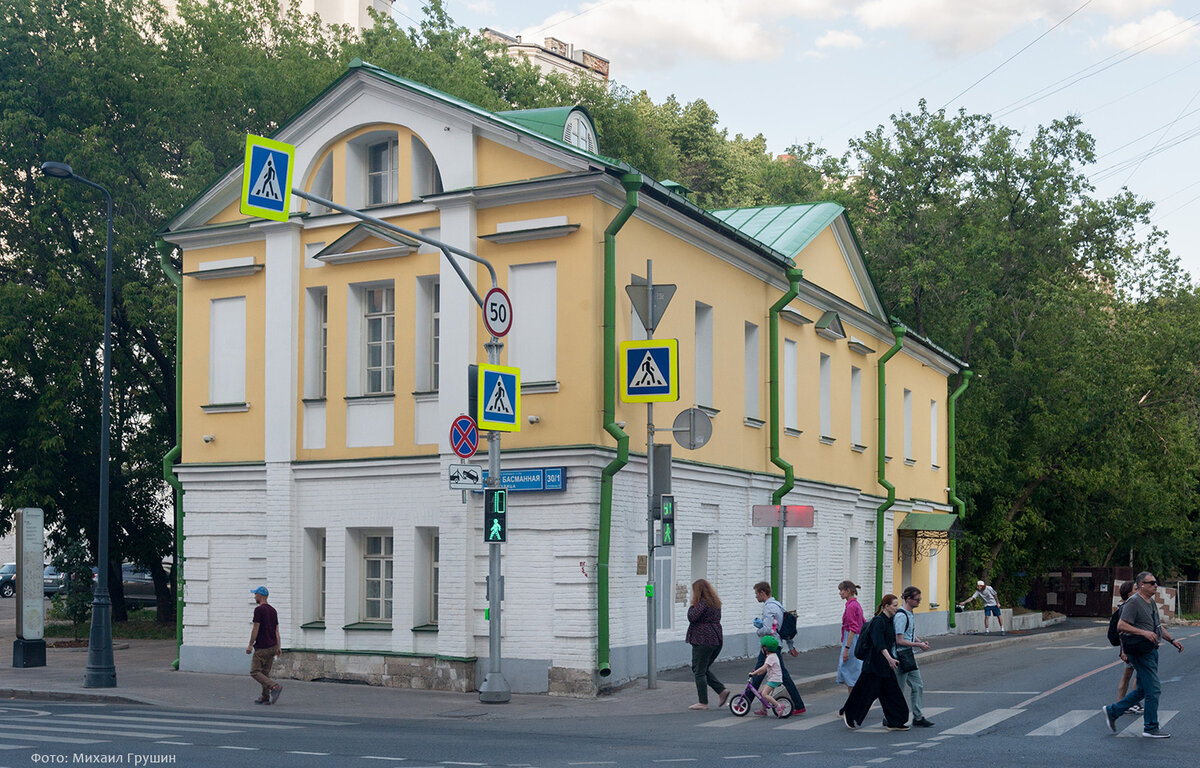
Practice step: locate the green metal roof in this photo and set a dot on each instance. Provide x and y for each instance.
(548, 121)
(784, 228)
(932, 522)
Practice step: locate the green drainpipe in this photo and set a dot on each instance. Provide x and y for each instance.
(164, 259)
(632, 183)
(957, 502)
(789, 478)
(898, 332)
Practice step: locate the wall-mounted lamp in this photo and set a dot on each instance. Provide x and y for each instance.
(534, 419)
(209, 438)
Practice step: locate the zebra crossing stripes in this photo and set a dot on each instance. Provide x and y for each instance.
(982, 723)
(1060, 725)
(1135, 728)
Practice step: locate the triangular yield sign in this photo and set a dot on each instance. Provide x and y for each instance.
(648, 374)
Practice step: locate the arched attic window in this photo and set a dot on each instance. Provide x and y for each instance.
(383, 166)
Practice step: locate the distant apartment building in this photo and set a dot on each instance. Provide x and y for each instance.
(352, 13)
(554, 56)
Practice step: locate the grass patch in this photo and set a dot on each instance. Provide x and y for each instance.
(140, 626)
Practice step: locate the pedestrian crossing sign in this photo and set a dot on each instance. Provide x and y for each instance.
(267, 178)
(499, 398)
(649, 371)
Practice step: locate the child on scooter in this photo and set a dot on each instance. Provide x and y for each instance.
(772, 670)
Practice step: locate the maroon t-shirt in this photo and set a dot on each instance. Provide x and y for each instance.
(268, 626)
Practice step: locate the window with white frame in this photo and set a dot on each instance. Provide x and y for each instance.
(316, 345)
(227, 350)
(751, 377)
(379, 339)
(908, 426)
(856, 405)
(434, 578)
(428, 323)
(704, 354)
(699, 556)
(826, 374)
(791, 409)
(532, 343)
(383, 172)
(377, 578)
(321, 569)
(933, 433)
(426, 179)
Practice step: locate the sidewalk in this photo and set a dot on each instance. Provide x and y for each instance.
(145, 676)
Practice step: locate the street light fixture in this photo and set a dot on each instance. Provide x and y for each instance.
(101, 670)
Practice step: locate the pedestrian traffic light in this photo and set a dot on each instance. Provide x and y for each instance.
(495, 517)
(667, 505)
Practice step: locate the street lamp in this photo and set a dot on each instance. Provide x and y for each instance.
(101, 670)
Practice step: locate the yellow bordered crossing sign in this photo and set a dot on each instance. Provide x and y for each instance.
(499, 389)
(649, 371)
(267, 178)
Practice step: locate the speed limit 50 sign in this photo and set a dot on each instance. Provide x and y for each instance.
(497, 312)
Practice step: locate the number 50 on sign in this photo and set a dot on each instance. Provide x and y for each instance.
(497, 312)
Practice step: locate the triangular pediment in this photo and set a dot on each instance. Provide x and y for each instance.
(365, 243)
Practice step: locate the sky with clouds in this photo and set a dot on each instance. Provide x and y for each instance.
(829, 70)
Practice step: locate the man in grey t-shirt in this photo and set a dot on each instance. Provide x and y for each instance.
(1139, 622)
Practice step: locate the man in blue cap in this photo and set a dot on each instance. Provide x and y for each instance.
(264, 645)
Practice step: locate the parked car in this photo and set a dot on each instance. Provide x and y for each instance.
(53, 580)
(8, 580)
(138, 585)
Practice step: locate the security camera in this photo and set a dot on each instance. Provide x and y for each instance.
(209, 438)
(534, 419)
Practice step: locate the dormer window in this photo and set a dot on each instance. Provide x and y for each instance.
(383, 172)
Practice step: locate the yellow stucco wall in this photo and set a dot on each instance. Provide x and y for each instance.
(824, 264)
(239, 436)
(496, 164)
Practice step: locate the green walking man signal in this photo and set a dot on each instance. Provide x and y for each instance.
(667, 505)
(495, 517)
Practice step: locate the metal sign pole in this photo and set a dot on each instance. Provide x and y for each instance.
(495, 689)
(651, 618)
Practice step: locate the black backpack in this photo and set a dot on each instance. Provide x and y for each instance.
(1114, 636)
(864, 647)
(787, 630)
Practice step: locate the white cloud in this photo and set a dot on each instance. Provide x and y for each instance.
(1174, 33)
(839, 38)
(959, 27)
(637, 34)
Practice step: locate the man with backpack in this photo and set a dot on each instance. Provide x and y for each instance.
(769, 624)
(907, 673)
(1114, 637)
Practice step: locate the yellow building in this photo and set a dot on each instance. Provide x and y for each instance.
(324, 359)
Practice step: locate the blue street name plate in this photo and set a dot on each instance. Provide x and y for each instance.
(539, 479)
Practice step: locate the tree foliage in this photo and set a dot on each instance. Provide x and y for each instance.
(1078, 441)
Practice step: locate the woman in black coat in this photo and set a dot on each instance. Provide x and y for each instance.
(705, 636)
(878, 678)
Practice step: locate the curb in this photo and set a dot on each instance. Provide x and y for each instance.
(98, 698)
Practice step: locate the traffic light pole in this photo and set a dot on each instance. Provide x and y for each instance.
(651, 618)
(495, 689)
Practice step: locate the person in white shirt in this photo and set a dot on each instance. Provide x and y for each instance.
(991, 605)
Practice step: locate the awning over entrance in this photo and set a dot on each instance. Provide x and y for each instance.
(931, 524)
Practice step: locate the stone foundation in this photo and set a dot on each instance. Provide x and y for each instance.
(418, 672)
(562, 681)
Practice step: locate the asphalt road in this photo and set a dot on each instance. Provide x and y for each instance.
(1026, 705)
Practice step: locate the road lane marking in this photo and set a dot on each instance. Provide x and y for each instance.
(45, 737)
(675, 760)
(727, 722)
(156, 733)
(75, 725)
(237, 718)
(1060, 725)
(298, 752)
(177, 723)
(240, 749)
(987, 693)
(1135, 728)
(811, 721)
(1070, 682)
(380, 757)
(983, 722)
(176, 743)
(741, 757)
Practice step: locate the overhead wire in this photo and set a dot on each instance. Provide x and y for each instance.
(1050, 90)
(1162, 136)
(1015, 55)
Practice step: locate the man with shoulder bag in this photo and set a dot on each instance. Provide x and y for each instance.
(907, 673)
(1141, 632)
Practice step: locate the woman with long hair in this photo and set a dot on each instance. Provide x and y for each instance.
(849, 667)
(705, 636)
(878, 678)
